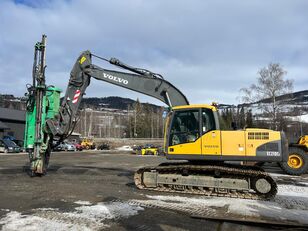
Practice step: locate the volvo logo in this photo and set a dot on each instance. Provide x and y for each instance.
(116, 79)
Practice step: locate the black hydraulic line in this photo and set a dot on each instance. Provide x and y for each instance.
(140, 71)
(99, 57)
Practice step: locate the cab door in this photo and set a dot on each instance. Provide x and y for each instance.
(211, 138)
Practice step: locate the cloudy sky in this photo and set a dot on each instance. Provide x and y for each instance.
(208, 49)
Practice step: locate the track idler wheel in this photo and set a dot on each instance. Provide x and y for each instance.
(264, 186)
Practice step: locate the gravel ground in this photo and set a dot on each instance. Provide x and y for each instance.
(94, 190)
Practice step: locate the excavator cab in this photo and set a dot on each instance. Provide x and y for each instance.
(188, 127)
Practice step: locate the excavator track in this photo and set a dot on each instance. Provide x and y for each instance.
(208, 180)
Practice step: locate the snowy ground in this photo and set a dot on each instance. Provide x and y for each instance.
(95, 191)
(84, 217)
(125, 148)
(290, 205)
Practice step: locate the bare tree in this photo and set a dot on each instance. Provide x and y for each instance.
(270, 84)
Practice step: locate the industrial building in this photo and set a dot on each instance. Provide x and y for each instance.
(12, 123)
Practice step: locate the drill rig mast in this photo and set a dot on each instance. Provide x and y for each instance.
(43, 103)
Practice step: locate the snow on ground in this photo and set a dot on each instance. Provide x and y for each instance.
(125, 148)
(84, 217)
(300, 118)
(291, 190)
(16, 221)
(257, 111)
(83, 203)
(290, 204)
(304, 183)
(304, 118)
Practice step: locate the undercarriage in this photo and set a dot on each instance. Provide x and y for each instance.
(210, 180)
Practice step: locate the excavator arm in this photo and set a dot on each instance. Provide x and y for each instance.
(142, 81)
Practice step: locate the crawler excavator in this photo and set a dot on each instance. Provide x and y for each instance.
(192, 133)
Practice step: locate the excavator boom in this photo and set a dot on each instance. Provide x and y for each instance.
(143, 81)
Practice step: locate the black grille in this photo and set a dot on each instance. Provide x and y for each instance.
(258, 135)
(269, 147)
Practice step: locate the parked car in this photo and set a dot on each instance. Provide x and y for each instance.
(20, 143)
(137, 147)
(104, 146)
(8, 146)
(57, 147)
(78, 146)
(69, 147)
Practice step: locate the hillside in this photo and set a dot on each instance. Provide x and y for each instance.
(295, 98)
(115, 102)
(291, 105)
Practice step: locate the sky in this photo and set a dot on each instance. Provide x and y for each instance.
(207, 49)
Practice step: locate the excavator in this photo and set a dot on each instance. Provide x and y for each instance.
(209, 156)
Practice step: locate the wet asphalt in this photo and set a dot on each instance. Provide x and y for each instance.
(96, 176)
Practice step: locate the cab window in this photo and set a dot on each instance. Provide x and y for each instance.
(208, 120)
(184, 127)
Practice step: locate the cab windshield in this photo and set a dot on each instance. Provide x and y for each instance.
(185, 127)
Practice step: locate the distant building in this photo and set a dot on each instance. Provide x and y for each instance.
(12, 123)
(74, 137)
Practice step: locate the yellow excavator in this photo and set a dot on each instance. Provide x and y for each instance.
(192, 134)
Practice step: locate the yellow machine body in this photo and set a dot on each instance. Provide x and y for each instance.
(87, 143)
(149, 151)
(192, 133)
(303, 140)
